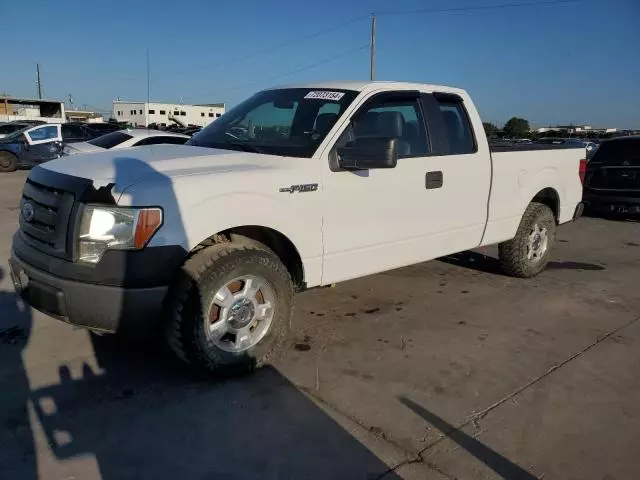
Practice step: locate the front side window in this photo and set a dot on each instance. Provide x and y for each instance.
(277, 122)
(43, 133)
(12, 127)
(71, 131)
(457, 125)
(390, 118)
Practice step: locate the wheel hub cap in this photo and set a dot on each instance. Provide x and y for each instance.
(241, 313)
(538, 243)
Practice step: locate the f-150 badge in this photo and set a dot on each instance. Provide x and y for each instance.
(307, 187)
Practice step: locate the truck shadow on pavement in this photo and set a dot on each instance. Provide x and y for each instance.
(147, 417)
(487, 264)
(492, 459)
(142, 415)
(17, 451)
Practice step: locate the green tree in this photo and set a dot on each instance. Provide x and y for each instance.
(516, 128)
(490, 129)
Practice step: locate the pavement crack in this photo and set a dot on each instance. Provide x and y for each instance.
(412, 457)
(473, 419)
(482, 413)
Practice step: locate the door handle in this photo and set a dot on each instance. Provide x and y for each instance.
(433, 180)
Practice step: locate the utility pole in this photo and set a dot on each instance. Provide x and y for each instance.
(373, 48)
(148, 88)
(38, 81)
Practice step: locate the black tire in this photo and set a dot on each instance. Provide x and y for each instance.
(513, 253)
(192, 294)
(8, 162)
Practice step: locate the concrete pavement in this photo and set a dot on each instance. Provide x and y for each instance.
(446, 369)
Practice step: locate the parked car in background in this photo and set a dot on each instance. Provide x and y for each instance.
(126, 138)
(32, 122)
(106, 127)
(30, 146)
(10, 127)
(612, 182)
(589, 146)
(82, 132)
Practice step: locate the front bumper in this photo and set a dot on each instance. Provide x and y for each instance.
(98, 307)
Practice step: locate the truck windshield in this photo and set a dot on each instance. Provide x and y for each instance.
(289, 122)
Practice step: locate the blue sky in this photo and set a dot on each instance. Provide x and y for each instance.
(576, 62)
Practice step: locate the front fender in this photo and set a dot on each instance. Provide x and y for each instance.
(189, 218)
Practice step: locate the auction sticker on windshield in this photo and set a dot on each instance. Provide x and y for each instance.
(325, 95)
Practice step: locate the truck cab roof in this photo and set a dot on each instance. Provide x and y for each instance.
(373, 85)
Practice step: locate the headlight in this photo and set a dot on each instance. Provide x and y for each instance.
(104, 228)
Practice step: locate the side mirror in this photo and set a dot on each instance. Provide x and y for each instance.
(369, 152)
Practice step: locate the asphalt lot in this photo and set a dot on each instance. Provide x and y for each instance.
(442, 370)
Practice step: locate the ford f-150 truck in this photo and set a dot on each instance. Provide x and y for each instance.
(296, 187)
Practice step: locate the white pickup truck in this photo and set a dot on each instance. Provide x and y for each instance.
(296, 187)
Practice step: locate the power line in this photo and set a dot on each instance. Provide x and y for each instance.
(479, 7)
(296, 41)
(288, 43)
(291, 72)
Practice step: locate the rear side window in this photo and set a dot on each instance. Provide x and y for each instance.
(457, 125)
(110, 139)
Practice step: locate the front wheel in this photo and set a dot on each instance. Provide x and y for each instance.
(528, 253)
(8, 162)
(231, 308)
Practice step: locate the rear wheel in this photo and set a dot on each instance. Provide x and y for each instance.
(8, 162)
(230, 309)
(528, 253)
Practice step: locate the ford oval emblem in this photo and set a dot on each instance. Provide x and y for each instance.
(28, 212)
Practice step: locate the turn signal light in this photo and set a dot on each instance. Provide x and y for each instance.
(149, 221)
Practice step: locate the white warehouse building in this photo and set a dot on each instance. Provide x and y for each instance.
(144, 113)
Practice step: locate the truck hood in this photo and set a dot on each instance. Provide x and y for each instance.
(127, 166)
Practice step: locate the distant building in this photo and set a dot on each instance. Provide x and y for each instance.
(15, 108)
(575, 129)
(143, 113)
(85, 116)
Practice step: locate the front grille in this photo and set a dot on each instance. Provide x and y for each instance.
(46, 228)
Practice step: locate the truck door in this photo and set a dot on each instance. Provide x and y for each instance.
(378, 219)
(433, 203)
(41, 144)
